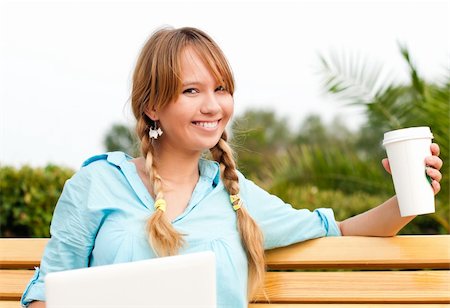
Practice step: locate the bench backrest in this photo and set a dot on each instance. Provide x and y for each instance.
(334, 271)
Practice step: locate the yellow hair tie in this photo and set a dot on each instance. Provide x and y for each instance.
(160, 204)
(236, 201)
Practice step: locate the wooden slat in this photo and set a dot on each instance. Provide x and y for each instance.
(21, 253)
(396, 252)
(358, 287)
(10, 304)
(316, 286)
(364, 252)
(345, 305)
(16, 304)
(13, 283)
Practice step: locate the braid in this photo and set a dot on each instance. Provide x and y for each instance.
(163, 238)
(251, 235)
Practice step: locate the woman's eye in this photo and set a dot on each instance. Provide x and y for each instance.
(190, 91)
(220, 88)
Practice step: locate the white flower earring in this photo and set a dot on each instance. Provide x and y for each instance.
(155, 131)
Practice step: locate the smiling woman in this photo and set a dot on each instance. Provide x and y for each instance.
(171, 200)
(193, 115)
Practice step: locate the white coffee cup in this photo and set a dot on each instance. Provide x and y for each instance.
(406, 150)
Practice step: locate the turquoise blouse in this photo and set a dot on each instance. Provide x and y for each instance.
(101, 215)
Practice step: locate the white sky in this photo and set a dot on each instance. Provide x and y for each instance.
(65, 67)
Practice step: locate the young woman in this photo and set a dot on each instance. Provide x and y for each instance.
(173, 201)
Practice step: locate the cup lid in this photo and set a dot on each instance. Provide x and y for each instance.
(407, 133)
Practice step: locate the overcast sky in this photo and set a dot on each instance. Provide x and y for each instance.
(65, 67)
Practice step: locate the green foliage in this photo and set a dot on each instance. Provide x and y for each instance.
(343, 168)
(28, 197)
(314, 132)
(122, 138)
(257, 135)
(391, 106)
(335, 167)
(347, 205)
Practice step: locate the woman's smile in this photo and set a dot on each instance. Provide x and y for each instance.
(209, 125)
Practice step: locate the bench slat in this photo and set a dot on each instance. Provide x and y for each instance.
(16, 304)
(13, 283)
(357, 287)
(364, 287)
(364, 252)
(360, 252)
(344, 305)
(21, 253)
(10, 304)
(310, 305)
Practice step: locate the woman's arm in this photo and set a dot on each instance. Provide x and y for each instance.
(385, 219)
(36, 304)
(73, 229)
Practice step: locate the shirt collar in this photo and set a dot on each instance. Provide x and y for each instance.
(210, 170)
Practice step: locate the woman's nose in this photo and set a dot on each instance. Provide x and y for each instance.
(211, 104)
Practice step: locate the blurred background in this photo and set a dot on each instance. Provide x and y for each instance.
(318, 83)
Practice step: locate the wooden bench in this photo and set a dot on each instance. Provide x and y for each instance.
(402, 271)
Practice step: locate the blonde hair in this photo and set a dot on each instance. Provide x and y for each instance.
(156, 83)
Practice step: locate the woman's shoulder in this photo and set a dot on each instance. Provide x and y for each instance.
(99, 176)
(116, 158)
(102, 165)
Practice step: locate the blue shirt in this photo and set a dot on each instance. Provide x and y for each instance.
(101, 216)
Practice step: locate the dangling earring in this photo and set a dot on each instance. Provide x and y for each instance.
(155, 131)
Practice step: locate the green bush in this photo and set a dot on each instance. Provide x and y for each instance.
(346, 205)
(28, 197)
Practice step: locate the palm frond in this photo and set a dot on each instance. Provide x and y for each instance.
(352, 78)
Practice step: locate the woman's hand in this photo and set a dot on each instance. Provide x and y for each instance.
(433, 163)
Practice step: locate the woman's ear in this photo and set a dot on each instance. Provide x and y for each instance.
(152, 114)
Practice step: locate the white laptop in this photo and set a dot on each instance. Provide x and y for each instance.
(176, 281)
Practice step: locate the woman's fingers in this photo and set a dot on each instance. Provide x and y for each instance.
(436, 186)
(386, 165)
(434, 164)
(434, 161)
(434, 174)
(435, 150)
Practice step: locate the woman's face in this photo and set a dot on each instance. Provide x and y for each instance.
(196, 119)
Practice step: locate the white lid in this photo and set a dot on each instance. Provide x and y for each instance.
(407, 133)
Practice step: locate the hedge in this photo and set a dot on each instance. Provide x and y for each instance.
(28, 197)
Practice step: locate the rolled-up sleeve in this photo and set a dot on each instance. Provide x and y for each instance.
(281, 224)
(73, 230)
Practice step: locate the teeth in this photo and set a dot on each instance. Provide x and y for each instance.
(207, 124)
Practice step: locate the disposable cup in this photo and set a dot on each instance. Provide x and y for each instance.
(406, 150)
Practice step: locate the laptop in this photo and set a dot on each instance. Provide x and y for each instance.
(169, 282)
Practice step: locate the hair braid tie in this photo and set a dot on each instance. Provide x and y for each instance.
(236, 201)
(161, 205)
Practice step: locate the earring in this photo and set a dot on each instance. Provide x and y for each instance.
(155, 132)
